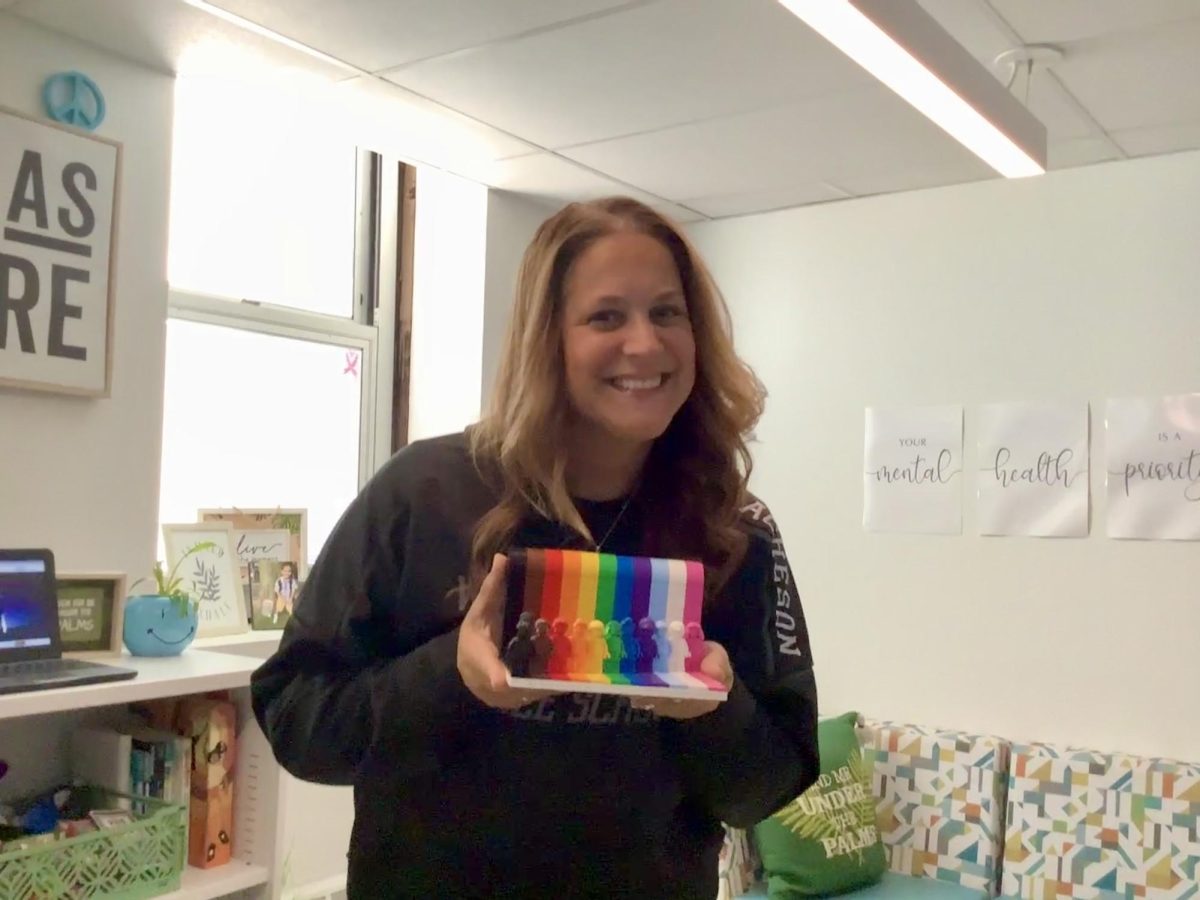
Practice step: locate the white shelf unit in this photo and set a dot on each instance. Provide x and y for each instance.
(192, 672)
(207, 884)
(267, 640)
(36, 725)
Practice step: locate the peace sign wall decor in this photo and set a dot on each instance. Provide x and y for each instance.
(59, 189)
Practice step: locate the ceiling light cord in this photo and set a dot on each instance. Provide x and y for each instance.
(1028, 57)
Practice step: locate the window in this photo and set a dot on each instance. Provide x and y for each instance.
(262, 195)
(260, 419)
(278, 385)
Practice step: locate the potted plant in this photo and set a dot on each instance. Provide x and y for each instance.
(163, 623)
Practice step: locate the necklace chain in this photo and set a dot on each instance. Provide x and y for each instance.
(615, 522)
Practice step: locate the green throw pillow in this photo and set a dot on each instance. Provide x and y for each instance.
(826, 841)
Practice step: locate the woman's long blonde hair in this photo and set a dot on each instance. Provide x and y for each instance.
(695, 481)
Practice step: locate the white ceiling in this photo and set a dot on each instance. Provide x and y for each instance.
(706, 108)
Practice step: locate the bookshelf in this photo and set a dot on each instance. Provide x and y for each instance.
(207, 884)
(192, 672)
(37, 724)
(264, 640)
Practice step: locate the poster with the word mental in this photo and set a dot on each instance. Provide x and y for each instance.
(1033, 462)
(1153, 467)
(58, 190)
(913, 472)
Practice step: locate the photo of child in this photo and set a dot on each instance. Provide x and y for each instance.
(275, 587)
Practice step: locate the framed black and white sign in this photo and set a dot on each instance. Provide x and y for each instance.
(58, 198)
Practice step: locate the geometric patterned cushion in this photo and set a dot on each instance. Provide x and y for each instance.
(1101, 826)
(940, 801)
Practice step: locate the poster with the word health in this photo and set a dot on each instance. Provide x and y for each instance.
(1153, 467)
(912, 480)
(1033, 469)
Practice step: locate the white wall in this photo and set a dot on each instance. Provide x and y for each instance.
(447, 330)
(1079, 285)
(81, 476)
(511, 223)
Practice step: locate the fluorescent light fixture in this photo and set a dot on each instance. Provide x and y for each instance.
(263, 31)
(905, 48)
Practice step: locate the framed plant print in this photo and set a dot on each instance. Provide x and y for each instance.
(210, 575)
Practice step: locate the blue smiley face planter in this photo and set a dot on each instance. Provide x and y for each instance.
(154, 627)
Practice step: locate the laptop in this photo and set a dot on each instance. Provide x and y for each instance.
(30, 645)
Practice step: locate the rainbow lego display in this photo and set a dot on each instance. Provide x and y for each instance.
(606, 624)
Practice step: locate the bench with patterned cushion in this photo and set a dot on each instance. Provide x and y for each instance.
(940, 802)
(940, 798)
(1101, 826)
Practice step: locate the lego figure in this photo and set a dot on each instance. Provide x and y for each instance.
(560, 656)
(662, 641)
(578, 663)
(520, 650)
(693, 635)
(616, 648)
(543, 646)
(647, 647)
(629, 640)
(679, 647)
(597, 648)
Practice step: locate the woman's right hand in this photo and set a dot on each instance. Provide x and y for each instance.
(479, 636)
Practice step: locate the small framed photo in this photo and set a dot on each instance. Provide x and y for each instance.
(111, 818)
(290, 519)
(254, 547)
(91, 610)
(210, 576)
(274, 586)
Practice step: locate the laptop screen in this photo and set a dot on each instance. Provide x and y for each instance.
(28, 606)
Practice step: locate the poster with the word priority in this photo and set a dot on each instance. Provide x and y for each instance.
(58, 196)
(1033, 469)
(913, 471)
(1153, 467)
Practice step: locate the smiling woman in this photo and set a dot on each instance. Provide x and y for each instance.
(618, 425)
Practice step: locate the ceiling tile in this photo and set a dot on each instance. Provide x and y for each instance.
(1161, 139)
(681, 215)
(985, 36)
(916, 177)
(723, 205)
(1138, 79)
(649, 67)
(160, 34)
(398, 121)
(864, 131)
(974, 25)
(378, 34)
(1071, 20)
(547, 177)
(1081, 152)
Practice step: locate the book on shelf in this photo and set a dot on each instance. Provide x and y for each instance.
(133, 759)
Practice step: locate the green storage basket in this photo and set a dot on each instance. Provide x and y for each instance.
(131, 862)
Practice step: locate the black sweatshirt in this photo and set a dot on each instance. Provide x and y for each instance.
(575, 796)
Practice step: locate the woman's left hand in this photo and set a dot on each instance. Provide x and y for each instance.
(715, 665)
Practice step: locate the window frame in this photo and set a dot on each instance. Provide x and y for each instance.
(280, 321)
(377, 226)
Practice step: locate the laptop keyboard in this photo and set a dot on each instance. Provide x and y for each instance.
(43, 667)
